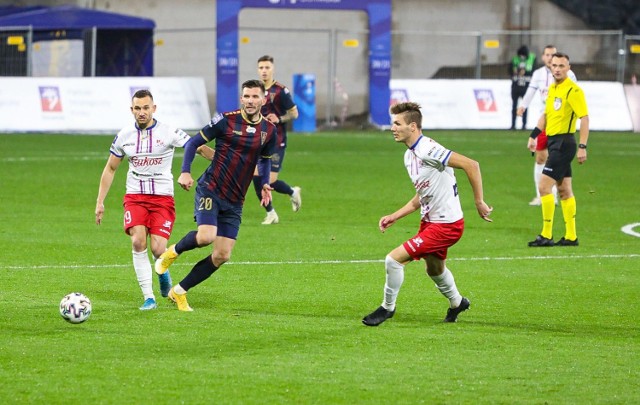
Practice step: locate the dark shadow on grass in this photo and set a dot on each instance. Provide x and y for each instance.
(466, 320)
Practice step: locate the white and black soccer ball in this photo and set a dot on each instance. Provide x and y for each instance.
(75, 307)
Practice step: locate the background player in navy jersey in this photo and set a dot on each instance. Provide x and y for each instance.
(278, 109)
(244, 139)
(149, 209)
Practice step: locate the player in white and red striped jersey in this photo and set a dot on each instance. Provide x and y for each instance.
(541, 79)
(430, 167)
(149, 209)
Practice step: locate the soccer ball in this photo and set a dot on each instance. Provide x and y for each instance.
(75, 307)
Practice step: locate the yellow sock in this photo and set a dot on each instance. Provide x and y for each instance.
(548, 209)
(569, 213)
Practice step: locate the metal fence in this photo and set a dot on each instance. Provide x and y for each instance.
(15, 51)
(339, 58)
(595, 55)
(72, 53)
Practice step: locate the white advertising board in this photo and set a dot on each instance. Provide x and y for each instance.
(632, 92)
(97, 105)
(486, 104)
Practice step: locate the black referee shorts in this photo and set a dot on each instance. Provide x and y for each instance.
(562, 150)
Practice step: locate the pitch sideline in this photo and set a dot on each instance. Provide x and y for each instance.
(363, 261)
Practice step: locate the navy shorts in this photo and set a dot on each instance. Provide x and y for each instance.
(212, 210)
(562, 150)
(277, 158)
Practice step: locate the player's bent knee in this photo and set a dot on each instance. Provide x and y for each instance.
(390, 261)
(220, 258)
(205, 237)
(205, 240)
(138, 245)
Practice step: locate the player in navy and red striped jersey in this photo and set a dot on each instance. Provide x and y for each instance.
(244, 140)
(149, 209)
(279, 109)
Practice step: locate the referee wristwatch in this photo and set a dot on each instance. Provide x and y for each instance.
(582, 146)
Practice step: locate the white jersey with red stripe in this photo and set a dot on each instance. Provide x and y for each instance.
(150, 155)
(434, 181)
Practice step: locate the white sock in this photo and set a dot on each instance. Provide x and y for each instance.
(178, 289)
(537, 173)
(394, 280)
(447, 286)
(143, 270)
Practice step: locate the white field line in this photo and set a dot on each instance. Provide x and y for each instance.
(628, 229)
(305, 262)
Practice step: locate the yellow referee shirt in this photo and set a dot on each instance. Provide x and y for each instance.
(565, 105)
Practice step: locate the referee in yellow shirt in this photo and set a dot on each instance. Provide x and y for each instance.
(565, 105)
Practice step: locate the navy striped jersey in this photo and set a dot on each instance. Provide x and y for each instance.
(278, 102)
(239, 144)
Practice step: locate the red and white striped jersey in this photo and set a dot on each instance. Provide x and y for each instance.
(150, 155)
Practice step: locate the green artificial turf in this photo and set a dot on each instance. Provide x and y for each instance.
(281, 322)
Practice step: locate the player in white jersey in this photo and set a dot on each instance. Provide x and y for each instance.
(540, 81)
(430, 167)
(149, 207)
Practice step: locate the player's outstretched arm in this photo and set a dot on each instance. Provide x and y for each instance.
(263, 167)
(526, 100)
(190, 149)
(105, 184)
(388, 220)
(185, 180)
(531, 141)
(206, 152)
(266, 195)
(584, 138)
(290, 115)
(472, 170)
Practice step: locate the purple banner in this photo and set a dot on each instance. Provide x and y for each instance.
(379, 11)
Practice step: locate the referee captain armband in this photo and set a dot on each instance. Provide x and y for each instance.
(534, 134)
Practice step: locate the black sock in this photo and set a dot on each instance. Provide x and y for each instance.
(282, 187)
(200, 272)
(188, 242)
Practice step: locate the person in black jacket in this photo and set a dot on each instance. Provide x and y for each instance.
(522, 66)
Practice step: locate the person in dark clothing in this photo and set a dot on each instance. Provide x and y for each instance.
(522, 66)
(243, 139)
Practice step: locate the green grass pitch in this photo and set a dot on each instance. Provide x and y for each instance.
(281, 322)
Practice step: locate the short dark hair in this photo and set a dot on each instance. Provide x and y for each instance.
(265, 58)
(410, 110)
(561, 55)
(142, 94)
(523, 51)
(253, 83)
